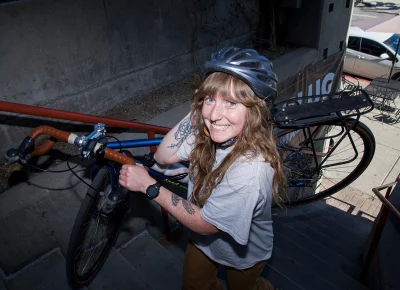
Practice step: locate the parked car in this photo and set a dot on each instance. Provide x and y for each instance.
(370, 54)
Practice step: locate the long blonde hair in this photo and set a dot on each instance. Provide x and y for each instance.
(255, 139)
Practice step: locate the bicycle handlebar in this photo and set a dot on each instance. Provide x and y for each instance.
(70, 138)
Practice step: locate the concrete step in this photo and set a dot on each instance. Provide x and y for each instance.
(178, 245)
(118, 274)
(159, 268)
(316, 264)
(144, 215)
(37, 216)
(47, 274)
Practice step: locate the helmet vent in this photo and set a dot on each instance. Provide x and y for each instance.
(240, 56)
(268, 81)
(253, 64)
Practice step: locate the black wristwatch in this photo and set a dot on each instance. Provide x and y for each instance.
(153, 190)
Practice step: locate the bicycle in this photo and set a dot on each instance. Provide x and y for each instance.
(309, 135)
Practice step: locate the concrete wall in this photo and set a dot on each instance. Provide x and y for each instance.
(85, 55)
(300, 25)
(334, 25)
(321, 24)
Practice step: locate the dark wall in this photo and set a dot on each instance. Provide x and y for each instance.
(55, 52)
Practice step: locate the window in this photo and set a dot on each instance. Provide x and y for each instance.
(373, 48)
(393, 41)
(354, 43)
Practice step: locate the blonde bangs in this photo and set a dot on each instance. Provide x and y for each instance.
(230, 88)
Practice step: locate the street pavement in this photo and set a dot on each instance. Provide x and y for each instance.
(375, 9)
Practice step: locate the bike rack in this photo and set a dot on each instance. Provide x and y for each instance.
(85, 118)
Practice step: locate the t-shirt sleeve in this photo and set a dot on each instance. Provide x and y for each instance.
(186, 148)
(231, 205)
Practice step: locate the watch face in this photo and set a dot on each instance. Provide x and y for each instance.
(153, 190)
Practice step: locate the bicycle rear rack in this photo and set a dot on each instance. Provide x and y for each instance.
(312, 110)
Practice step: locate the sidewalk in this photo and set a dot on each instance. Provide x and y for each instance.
(358, 198)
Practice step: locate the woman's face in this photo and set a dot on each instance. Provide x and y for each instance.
(224, 118)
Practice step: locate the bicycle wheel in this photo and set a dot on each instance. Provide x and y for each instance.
(95, 230)
(339, 159)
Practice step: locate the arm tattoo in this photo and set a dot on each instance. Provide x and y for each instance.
(181, 133)
(186, 204)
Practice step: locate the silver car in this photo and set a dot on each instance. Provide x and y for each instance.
(370, 54)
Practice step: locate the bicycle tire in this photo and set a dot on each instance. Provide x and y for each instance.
(304, 188)
(107, 217)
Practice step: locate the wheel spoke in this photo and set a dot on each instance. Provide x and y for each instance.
(306, 176)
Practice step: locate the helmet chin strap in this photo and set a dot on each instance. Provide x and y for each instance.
(229, 142)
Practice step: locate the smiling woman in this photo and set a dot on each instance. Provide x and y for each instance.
(235, 172)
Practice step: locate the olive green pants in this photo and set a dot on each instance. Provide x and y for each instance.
(200, 273)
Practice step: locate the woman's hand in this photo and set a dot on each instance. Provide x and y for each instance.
(135, 178)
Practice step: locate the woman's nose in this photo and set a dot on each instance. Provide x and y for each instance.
(217, 112)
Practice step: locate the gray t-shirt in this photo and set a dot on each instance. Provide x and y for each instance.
(240, 207)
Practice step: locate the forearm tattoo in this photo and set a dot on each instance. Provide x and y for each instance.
(181, 133)
(186, 204)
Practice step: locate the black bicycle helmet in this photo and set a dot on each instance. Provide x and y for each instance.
(249, 66)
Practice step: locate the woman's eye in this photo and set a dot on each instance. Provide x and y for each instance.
(209, 100)
(231, 104)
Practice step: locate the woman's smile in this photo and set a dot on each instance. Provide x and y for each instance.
(216, 127)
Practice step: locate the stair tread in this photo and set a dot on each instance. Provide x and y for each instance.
(353, 223)
(49, 274)
(178, 247)
(2, 286)
(149, 258)
(318, 216)
(118, 274)
(334, 243)
(316, 264)
(321, 250)
(296, 272)
(278, 279)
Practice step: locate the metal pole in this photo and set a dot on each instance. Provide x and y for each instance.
(394, 59)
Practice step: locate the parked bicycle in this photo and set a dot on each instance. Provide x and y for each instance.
(323, 145)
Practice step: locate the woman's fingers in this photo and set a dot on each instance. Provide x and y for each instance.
(133, 177)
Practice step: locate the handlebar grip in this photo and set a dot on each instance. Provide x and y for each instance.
(118, 157)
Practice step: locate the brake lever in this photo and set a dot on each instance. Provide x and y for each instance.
(26, 147)
(12, 156)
